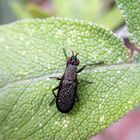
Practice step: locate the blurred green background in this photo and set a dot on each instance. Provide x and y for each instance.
(103, 12)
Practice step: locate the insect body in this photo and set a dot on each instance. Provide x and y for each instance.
(67, 89)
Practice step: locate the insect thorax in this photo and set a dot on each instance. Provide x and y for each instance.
(70, 73)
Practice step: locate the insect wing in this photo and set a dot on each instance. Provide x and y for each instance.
(66, 97)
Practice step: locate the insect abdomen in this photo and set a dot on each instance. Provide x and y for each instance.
(66, 97)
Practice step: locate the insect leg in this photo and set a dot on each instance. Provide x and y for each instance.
(57, 78)
(54, 90)
(100, 63)
(54, 95)
(88, 82)
(81, 69)
(52, 102)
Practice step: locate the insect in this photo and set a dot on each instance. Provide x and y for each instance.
(67, 89)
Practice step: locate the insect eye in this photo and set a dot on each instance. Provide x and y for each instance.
(73, 61)
(77, 62)
(69, 60)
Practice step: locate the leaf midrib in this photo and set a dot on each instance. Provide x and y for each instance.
(58, 73)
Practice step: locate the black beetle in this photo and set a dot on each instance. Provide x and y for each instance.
(67, 89)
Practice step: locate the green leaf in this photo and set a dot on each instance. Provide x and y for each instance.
(92, 10)
(37, 12)
(108, 19)
(19, 9)
(31, 52)
(131, 12)
(84, 9)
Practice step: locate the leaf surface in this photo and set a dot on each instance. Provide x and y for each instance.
(31, 52)
(131, 12)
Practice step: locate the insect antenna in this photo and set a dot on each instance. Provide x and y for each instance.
(64, 50)
(76, 54)
(72, 52)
